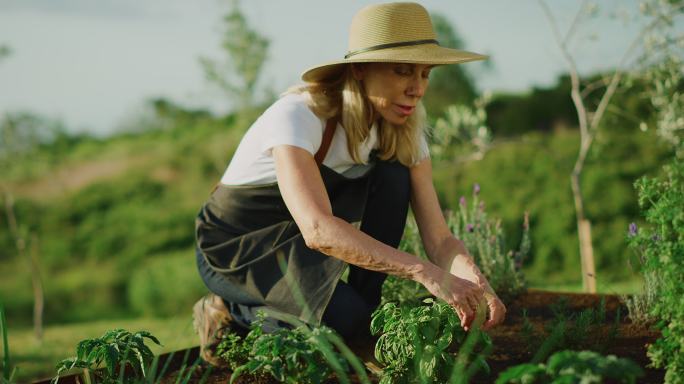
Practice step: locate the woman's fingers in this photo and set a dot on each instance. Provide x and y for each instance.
(497, 311)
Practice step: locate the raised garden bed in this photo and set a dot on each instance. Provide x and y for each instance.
(529, 321)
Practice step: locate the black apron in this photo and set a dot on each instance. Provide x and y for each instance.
(247, 234)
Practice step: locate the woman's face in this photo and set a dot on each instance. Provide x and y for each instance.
(394, 89)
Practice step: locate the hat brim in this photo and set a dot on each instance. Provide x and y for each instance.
(417, 54)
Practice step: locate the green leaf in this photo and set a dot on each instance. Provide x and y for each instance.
(523, 374)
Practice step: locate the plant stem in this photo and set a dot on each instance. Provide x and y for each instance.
(5, 344)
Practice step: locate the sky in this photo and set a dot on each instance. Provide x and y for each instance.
(94, 63)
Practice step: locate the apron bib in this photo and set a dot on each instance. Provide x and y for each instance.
(247, 234)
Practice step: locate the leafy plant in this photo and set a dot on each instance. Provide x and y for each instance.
(573, 367)
(300, 355)
(661, 245)
(116, 349)
(415, 343)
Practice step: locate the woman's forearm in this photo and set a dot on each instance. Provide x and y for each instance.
(335, 237)
(448, 249)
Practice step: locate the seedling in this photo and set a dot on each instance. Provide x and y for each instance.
(116, 349)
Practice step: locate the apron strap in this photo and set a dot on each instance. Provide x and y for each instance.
(330, 126)
(327, 139)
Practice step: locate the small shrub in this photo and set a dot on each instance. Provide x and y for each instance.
(574, 367)
(116, 349)
(661, 245)
(415, 344)
(486, 242)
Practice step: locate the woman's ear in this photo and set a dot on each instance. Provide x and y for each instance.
(357, 71)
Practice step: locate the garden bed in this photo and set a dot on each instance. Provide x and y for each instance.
(528, 321)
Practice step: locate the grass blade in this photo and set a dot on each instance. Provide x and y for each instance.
(6, 374)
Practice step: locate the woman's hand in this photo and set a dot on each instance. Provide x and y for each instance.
(463, 295)
(463, 266)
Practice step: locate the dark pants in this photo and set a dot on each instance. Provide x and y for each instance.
(352, 303)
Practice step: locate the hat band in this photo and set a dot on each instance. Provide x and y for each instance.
(391, 45)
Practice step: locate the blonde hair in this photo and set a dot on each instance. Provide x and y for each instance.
(342, 96)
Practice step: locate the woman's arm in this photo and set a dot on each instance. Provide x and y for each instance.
(304, 194)
(441, 246)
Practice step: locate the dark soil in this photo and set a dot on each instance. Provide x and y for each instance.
(512, 346)
(512, 343)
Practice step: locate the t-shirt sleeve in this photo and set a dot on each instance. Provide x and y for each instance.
(290, 122)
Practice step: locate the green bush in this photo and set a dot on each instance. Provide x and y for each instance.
(165, 285)
(532, 174)
(661, 243)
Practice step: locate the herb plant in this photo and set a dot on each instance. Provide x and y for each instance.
(116, 349)
(485, 241)
(300, 355)
(661, 245)
(567, 367)
(415, 344)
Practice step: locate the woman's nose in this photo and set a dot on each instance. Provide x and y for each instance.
(416, 87)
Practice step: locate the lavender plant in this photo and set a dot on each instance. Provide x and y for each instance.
(485, 240)
(640, 305)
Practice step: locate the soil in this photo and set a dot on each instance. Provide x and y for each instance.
(513, 342)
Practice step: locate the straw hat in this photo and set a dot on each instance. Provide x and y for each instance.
(392, 32)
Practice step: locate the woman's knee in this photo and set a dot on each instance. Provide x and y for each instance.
(391, 176)
(347, 312)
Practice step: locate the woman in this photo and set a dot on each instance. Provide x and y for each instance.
(322, 182)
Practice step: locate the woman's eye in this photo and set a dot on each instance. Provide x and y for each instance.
(402, 71)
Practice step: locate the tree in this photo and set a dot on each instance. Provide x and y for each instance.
(246, 52)
(449, 84)
(19, 136)
(590, 116)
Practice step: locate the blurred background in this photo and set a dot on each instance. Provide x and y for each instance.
(118, 117)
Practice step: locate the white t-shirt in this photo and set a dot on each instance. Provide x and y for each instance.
(289, 121)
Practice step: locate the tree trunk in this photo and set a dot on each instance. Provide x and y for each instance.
(584, 231)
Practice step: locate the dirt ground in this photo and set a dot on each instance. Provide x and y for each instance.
(517, 340)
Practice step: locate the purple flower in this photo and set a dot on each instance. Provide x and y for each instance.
(476, 189)
(633, 230)
(470, 228)
(462, 201)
